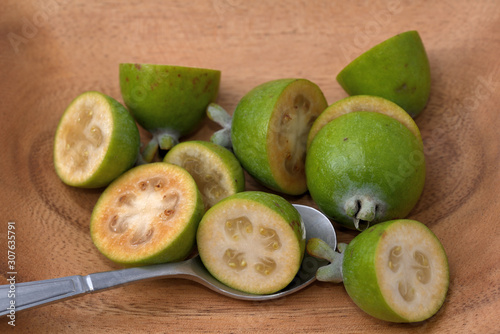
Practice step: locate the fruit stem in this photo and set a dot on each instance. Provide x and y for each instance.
(320, 249)
(363, 210)
(166, 138)
(149, 152)
(220, 116)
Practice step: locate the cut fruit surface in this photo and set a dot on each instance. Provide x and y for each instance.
(252, 241)
(148, 215)
(270, 128)
(402, 266)
(215, 169)
(363, 103)
(96, 141)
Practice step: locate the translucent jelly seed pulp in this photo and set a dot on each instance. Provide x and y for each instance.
(416, 266)
(270, 239)
(239, 227)
(241, 230)
(265, 266)
(235, 260)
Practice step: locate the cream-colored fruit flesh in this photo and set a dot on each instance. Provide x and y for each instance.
(205, 168)
(250, 248)
(364, 103)
(143, 215)
(83, 137)
(290, 125)
(412, 271)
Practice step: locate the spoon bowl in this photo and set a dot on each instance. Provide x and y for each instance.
(39, 293)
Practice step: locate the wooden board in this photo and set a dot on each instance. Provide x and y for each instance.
(52, 51)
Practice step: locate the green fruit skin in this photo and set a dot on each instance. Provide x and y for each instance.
(123, 147)
(250, 127)
(279, 205)
(359, 272)
(396, 69)
(232, 163)
(180, 248)
(163, 97)
(365, 153)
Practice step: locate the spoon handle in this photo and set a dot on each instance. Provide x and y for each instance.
(19, 296)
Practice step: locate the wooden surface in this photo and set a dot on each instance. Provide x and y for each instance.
(52, 51)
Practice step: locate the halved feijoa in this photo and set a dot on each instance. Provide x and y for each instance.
(215, 169)
(363, 103)
(396, 69)
(169, 101)
(148, 215)
(395, 271)
(269, 132)
(252, 241)
(96, 141)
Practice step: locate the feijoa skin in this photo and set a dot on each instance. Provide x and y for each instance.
(396, 69)
(395, 271)
(168, 101)
(215, 169)
(364, 168)
(363, 103)
(269, 132)
(148, 215)
(95, 142)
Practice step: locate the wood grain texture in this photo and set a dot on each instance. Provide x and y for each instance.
(52, 51)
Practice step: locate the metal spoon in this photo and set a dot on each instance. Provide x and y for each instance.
(38, 293)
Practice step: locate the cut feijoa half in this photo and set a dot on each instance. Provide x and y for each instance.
(396, 69)
(95, 142)
(252, 241)
(269, 132)
(148, 215)
(215, 169)
(169, 101)
(363, 103)
(395, 271)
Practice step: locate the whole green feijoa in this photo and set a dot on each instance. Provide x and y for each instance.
(364, 168)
